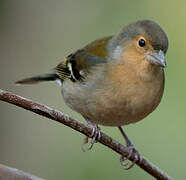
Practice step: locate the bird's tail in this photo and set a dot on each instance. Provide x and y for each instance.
(39, 78)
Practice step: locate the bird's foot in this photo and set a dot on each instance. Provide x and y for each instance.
(132, 152)
(137, 157)
(96, 135)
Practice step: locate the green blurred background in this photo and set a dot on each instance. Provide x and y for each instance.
(34, 36)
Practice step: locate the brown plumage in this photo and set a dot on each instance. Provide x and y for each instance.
(116, 80)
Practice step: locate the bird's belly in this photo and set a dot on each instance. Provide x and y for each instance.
(123, 112)
(112, 107)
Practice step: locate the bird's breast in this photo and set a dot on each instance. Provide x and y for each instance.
(115, 101)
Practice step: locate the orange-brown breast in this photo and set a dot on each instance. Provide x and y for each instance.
(132, 92)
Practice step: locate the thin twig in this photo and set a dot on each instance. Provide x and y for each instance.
(58, 116)
(8, 173)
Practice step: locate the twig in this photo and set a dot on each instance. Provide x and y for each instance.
(58, 116)
(8, 173)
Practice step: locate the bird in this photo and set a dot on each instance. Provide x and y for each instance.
(115, 80)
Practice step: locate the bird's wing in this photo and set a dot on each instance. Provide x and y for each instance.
(83, 60)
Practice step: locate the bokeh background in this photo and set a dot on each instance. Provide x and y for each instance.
(34, 37)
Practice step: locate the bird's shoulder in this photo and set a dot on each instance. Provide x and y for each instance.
(83, 60)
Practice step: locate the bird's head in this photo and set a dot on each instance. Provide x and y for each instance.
(141, 41)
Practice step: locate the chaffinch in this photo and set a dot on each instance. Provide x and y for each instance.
(115, 80)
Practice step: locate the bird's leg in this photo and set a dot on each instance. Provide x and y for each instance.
(95, 135)
(131, 150)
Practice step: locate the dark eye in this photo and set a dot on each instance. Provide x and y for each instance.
(141, 42)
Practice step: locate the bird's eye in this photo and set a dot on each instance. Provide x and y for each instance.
(142, 43)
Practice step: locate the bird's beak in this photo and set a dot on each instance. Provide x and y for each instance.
(157, 58)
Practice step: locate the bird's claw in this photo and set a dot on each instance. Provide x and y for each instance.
(96, 135)
(124, 158)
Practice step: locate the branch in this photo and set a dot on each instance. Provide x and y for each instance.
(8, 173)
(58, 116)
